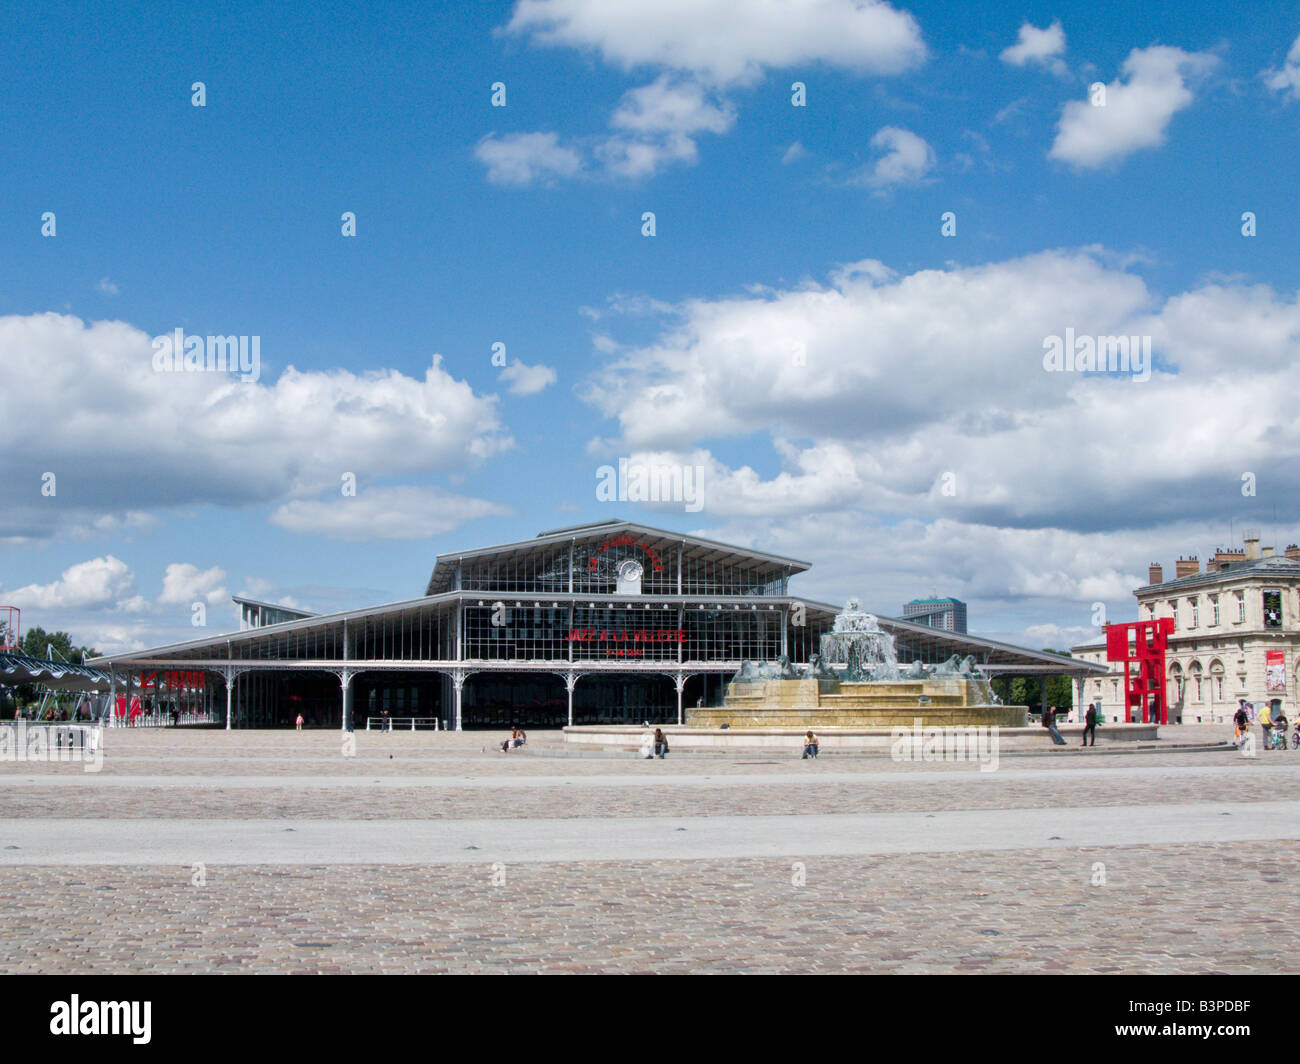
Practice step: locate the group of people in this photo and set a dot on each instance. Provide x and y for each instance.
(1090, 721)
(1268, 722)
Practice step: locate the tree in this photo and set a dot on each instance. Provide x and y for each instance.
(36, 642)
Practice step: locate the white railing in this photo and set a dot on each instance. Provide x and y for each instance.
(164, 719)
(393, 722)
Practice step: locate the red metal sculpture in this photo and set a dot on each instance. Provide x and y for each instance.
(1141, 647)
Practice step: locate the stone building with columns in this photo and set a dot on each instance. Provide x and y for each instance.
(1236, 635)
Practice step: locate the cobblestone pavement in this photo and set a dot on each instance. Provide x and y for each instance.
(1163, 909)
(1212, 906)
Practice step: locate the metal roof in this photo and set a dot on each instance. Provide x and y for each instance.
(244, 600)
(443, 575)
(22, 668)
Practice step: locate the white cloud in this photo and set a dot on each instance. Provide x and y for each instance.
(527, 380)
(874, 387)
(107, 287)
(794, 153)
(1286, 78)
(525, 158)
(1138, 107)
(205, 437)
(184, 584)
(906, 160)
(725, 41)
(1041, 47)
(384, 513)
(100, 583)
(634, 157)
(672, 105)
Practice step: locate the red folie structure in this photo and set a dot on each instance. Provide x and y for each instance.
(10, 627)
(1141, 647)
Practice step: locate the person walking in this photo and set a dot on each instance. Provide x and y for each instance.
(1266, 724)
(661, 743)
(810, 745)
(1090, 724)
(1049, 722)
(298, 723)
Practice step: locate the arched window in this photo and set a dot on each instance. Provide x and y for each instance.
(1197, 681)
(1216, 680)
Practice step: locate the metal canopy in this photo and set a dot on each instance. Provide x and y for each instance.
(18, 669)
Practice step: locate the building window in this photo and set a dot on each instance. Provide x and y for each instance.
(1196, 612)
(1273, 609)
(1241, 607)
(1214, 610)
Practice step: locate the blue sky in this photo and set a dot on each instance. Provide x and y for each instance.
(522, 224)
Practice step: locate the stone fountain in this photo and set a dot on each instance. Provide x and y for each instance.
(856, 681)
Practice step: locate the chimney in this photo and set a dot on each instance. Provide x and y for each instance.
(1222, 557)
(1293, 552)
(1187, 567)
(1252, 546)
(1155, 574)
(1266, 552)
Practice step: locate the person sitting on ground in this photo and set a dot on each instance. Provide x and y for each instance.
(810, 745)
(661, 743)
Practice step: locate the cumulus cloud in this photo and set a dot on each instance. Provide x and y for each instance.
(525, 158)
(906, 159)
(726, 41)
(925, 395)
(527, 380)
(654, 126)
(1286, 78)
(170, 439)
(1040, 47)
(1153, 86)
(105, 582)
(184, 584)
(672, 105)
(384, 513)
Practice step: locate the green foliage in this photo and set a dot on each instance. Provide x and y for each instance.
(37, 639)
(1037, 691)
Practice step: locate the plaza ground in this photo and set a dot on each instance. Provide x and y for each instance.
(434, 852)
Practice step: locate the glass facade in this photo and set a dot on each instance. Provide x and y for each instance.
(599, 624)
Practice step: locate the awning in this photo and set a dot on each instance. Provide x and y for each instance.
(60, 675)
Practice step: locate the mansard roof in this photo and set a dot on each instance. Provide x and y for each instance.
(695, 547)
